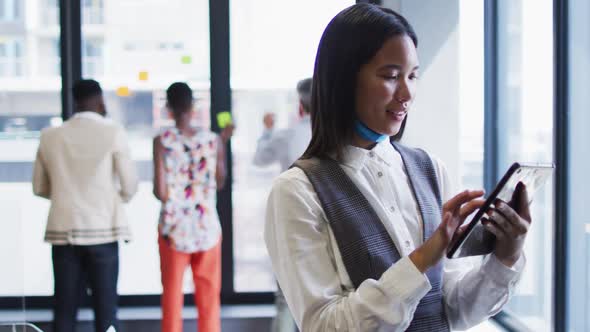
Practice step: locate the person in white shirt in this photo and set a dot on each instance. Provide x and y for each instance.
(84, 168)
(285, 146)
(366, 252)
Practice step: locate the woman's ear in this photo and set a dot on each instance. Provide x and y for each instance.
(301, 110)
(169, 113)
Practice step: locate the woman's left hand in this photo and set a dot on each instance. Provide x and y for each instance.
(510, 223)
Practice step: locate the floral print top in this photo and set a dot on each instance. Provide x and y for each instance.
(188, 219)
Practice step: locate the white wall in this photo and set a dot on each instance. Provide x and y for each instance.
(433, 122)
(393, 4)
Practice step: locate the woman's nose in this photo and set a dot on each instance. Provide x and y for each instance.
(403, 93)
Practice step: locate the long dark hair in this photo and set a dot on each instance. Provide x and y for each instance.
(351, 39)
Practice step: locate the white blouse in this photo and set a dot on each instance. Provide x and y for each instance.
(308, 265)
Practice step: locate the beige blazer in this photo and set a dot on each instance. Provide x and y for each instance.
(84, 167)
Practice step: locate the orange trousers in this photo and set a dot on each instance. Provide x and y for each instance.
(206, 268)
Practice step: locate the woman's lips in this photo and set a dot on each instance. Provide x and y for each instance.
(397, 115)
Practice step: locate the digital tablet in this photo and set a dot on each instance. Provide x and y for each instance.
(476, 240)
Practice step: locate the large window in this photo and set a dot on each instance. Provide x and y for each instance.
(29, 102)
(272, 48)
(136, 50)
(525, 90)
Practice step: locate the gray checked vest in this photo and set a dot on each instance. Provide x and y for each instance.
(367, 249)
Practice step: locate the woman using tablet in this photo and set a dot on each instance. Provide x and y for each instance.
(358, 229)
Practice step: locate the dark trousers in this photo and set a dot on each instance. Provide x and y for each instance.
(74, 268)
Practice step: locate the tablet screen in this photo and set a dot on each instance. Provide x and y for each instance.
(532, 176)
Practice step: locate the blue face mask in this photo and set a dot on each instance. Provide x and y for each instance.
(367, 133)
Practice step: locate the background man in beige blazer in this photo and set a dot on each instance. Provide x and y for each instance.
(84, 167)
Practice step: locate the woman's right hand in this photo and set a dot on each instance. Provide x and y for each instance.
(227, 132)
(454, 213)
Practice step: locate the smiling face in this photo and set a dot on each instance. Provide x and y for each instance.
(386, 86)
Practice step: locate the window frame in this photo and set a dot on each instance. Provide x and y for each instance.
(506, 319)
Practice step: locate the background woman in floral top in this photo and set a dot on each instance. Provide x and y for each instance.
(189, 168)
